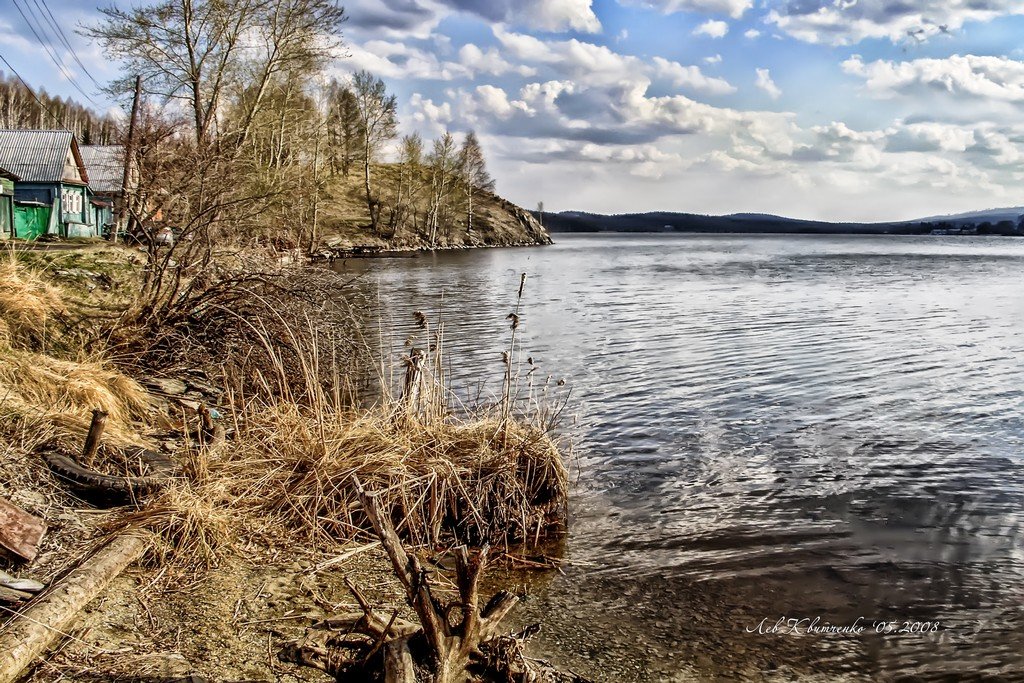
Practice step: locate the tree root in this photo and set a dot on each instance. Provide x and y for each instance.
(368, 646)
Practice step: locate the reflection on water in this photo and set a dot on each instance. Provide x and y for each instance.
(768, 427)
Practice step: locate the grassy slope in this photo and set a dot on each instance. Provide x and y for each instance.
(496, 221)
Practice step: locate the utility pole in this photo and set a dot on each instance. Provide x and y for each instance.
(129, 152)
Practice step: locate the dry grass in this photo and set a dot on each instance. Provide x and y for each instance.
(65, 392)
(470, 480)
(39, 387)
(28, 302)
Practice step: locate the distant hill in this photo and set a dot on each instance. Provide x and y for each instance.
(1012, 213)
(993, 222)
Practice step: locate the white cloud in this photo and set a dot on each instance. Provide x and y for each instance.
(734, 8)
(397, 60)
(846, 22)
(751, 34)
(765, 82)
(967, 76)
(555, 15)
(490, 62)
(494, 99)
(591, 64)
(433, 117)
(713, 59)
(712, 28)
(691, 77)
(419, 18)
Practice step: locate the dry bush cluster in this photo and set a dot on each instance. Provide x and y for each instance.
(287, 475)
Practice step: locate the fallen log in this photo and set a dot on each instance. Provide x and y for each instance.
(32, 632)
(20, 532)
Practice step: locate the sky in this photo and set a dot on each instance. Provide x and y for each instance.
(854, 110)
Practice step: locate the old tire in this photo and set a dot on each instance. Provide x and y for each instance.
(106, 488)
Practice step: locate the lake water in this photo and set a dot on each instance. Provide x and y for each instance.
(767, 428)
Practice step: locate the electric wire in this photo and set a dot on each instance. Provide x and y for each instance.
(50, 52)
(33, 94)
(52, 20)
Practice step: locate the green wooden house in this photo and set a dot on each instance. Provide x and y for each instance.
(52, 195)
(7, 180)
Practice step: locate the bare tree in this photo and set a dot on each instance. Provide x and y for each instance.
(409, 185)
(378, 119)
(292, 39)
(195, 51)
(344, 130)
(473, 174)
(443, 162)
(183, 49)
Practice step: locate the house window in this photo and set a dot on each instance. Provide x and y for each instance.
(72, 201)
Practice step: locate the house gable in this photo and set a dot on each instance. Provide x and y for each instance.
(74, 170)
(42, 156)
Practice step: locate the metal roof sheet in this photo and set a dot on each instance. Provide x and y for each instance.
(38, 155)
(105, 164)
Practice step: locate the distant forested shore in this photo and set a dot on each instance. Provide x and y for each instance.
(1008, 222)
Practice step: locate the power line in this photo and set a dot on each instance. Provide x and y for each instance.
(33, 94)
(48, 46)
(50, 52)
(52, 20)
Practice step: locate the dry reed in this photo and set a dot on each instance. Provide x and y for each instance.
(446, 475)
(472, 480)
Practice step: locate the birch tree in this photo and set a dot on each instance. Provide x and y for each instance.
(378, 119)
(443, 163)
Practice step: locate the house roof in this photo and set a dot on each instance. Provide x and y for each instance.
(37, 156)
(4, 173)
(105, 164)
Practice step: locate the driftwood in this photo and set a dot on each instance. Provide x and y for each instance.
(444, 650)
(20, 532)
(30, 633)
(13, 595)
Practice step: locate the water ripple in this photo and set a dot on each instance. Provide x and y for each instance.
(768, 425)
